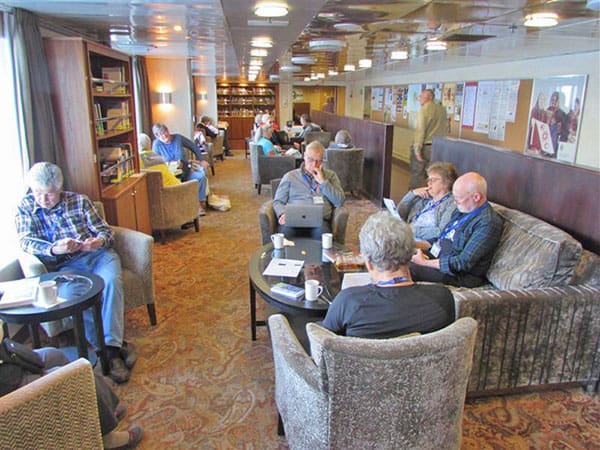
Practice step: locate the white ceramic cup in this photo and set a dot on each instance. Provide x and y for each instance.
(47, 292)
(312, 290)
(277, 240)
(327, 240)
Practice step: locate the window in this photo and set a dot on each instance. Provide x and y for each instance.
(12, 184)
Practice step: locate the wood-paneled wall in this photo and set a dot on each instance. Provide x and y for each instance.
(564, 195)
(376, 138)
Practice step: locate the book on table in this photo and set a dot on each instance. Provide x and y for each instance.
(18, 292)
(345, 260)
(287, 290)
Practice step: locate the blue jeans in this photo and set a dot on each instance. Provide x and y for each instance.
(105, 263)
(199, 175)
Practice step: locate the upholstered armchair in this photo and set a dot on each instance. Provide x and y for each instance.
(217, 151)
(348, 165)
(324, 137)
(171, 206)
(401, 393)
(59, 410)
(267, 168)
(134, 249)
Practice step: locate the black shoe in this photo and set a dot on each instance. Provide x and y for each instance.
(128, 354)
(118, 371)
(228, 153)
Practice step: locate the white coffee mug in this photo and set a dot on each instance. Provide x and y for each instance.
(312, 290)
(277, 240)
(47, 292)
(327, 240)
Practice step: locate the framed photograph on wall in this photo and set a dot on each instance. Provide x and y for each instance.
(554, 117)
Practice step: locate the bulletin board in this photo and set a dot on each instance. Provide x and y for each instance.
(516, 132)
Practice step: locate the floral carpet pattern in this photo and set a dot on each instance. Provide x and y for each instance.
(201, 383)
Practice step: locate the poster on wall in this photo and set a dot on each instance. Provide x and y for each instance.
(458, 101)
(449, 97)
(469, 98)
(554, 117)
(414, 95)
(483, 106)
(377, 99)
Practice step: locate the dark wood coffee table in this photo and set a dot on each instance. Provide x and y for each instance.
(315, 267)
(82, 290)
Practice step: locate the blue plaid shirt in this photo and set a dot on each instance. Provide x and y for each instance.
(74, 216)
(471, 248)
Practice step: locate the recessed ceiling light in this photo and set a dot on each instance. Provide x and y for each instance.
(435, 45)
(399, 54)
(289, 68)
(271, 10)
(262, 42)
(540, 20)
(347, 26)
(365, 63)
(178, 28)
(256, 62)
(349, 68)
(258, 52)
(332, 73)
(326, 45)
(304, 59)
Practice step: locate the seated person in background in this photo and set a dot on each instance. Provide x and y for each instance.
(170, 147)
(63, 229)
(200, 138)
(309, 184)
(428, 209)
(307, 127)
(392, 305)
(153, 161)
(262, 137)
(464, 250)
(13, 377)
(207, 127)
(342, 140)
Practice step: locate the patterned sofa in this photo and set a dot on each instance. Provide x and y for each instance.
(539, 319)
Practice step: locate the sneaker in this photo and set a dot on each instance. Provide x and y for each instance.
(135, 437)
(128, 354)
(201, 211)
(118, 371)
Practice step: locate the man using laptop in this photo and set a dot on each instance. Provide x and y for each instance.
(309, 185)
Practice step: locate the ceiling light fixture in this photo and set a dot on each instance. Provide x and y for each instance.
(271, 10)
(399, 54)
(365, 63)
(178, 28)
(347, 26)
(435, 45)
(540, 20)
(259, 52)
(349, 68)
(262, 42)
(303, 59)
(326, 45)
(332, 73)
(289, 68)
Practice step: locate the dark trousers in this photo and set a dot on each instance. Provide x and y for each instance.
(422, 273)
(418, 175)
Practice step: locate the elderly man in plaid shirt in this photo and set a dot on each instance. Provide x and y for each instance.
(64, 230)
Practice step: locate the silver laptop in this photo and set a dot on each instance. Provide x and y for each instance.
(303, 215)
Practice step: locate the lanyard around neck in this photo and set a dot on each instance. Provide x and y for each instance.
(432, 205)
(458, 222)
(312, 183)
(393, 281)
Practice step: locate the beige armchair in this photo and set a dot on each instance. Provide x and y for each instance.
(135, 250)
(59, 410)
(172, 206)
(400, 393)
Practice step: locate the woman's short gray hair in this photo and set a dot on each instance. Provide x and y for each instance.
(386, 242)
(343, 137)
(445, 170)
(45, 175)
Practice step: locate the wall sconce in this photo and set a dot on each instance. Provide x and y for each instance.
(165, 98)
(203, 97)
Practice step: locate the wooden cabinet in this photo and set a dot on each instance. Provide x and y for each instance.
(239, 104)
(126, 205)
(92, 96)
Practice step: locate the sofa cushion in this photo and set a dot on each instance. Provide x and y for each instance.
(532, 253)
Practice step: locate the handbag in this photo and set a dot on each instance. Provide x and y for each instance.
(12, 352)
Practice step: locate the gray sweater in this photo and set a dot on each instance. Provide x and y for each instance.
(412, 204)
(294, 189)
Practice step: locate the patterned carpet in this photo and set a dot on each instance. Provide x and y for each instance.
(201, 383)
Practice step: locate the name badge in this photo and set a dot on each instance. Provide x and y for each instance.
(435, 249)
(450, 235)
(317, 200)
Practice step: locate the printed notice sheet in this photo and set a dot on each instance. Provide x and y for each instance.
(280, 267)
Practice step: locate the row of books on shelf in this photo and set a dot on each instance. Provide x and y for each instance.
(243, 112)
(112, 116)
(112, 81)
(244, 91)
(116, 163)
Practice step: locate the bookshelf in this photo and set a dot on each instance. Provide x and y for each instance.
(92, 95)
(238, 104)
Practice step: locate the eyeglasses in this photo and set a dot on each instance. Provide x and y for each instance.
(433, 179)
(312, 160)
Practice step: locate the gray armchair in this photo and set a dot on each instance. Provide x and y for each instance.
(324, 137)
(172, 206)
(267, 168)
(268, 223)
(348, 165)
(401, 393)
(134, 249)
